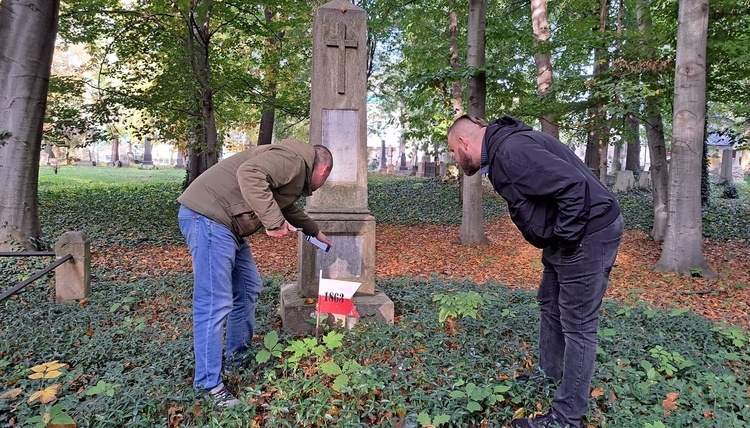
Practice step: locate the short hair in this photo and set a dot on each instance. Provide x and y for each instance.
(323, 156)
(464, 120)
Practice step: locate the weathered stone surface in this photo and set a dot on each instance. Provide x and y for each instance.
(73, 278)
(624, 181)
(338, 120)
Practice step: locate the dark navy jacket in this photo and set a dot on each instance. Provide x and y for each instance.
(552, 196)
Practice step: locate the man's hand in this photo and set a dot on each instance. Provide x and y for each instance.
(324, 239)
(282, 231)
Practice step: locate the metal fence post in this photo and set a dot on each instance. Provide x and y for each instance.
(73, 279)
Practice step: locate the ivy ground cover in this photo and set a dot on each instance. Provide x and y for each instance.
(465, 330)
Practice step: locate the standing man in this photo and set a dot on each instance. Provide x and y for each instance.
(233, 199)
(563, 208)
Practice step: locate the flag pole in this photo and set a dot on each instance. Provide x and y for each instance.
(317, 311)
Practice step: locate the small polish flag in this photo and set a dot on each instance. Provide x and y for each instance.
(335, 297)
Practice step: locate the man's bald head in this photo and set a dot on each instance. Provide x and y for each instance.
(465, 141)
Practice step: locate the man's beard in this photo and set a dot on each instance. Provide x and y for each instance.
(470, 168)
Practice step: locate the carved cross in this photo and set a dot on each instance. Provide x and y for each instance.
(341, 43)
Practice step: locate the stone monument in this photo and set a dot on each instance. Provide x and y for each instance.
(402, 149)
(148, 162)
(731, 171)
(383, 159)
(338, 120)
(624, 181)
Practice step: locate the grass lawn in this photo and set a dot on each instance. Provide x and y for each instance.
(124, 355)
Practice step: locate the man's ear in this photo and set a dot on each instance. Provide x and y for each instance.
(463, 142)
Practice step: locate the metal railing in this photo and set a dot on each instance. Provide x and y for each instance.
(37, 275)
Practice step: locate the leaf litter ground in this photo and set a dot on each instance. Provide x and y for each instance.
(427, 251)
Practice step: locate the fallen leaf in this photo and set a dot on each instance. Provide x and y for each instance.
(9, 395)
(669, 403)
(597, 392)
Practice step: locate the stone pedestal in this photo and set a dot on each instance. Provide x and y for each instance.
(299, 313)
(73, 278)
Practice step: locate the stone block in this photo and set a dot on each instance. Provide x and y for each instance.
(624, 181)
(351, 258)
(73, 278)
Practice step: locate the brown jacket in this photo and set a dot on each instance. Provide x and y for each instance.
(256, 187)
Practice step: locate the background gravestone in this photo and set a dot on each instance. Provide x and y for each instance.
(731, 171)
(338, 120)
(624, 181)
(148, 162)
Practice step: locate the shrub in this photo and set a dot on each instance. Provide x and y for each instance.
(730, 191)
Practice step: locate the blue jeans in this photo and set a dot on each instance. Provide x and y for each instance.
(570, 296)
(226, 289)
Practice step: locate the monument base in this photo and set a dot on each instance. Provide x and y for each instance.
(147, 166)
(298, 313)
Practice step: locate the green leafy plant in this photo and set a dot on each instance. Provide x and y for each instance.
(271, 348)
(103, 388)
(669, 363)
(454, 305)
(52, 416)
(424, 420)
(477, 395)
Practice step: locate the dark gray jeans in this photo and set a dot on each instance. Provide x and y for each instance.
(570, 296)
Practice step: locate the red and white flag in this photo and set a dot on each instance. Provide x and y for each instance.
(335, 297)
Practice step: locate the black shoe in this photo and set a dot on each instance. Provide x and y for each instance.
(542, 421)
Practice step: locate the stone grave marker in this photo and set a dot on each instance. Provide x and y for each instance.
(338, 120)
(148, 162)
(86, 158)
(624, 181)
(644, 181)
(731, 171)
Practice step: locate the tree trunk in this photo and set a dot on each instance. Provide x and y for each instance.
(597, 144)
(204, 150)
(456, 94)
(659, 168)
(27, 42)
(543, 60)
(683, 244)
(272, 54)
(472, 220)
(115, 150)
(633, 155)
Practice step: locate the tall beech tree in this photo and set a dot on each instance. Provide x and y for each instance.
(28, 30)
(683, 244)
